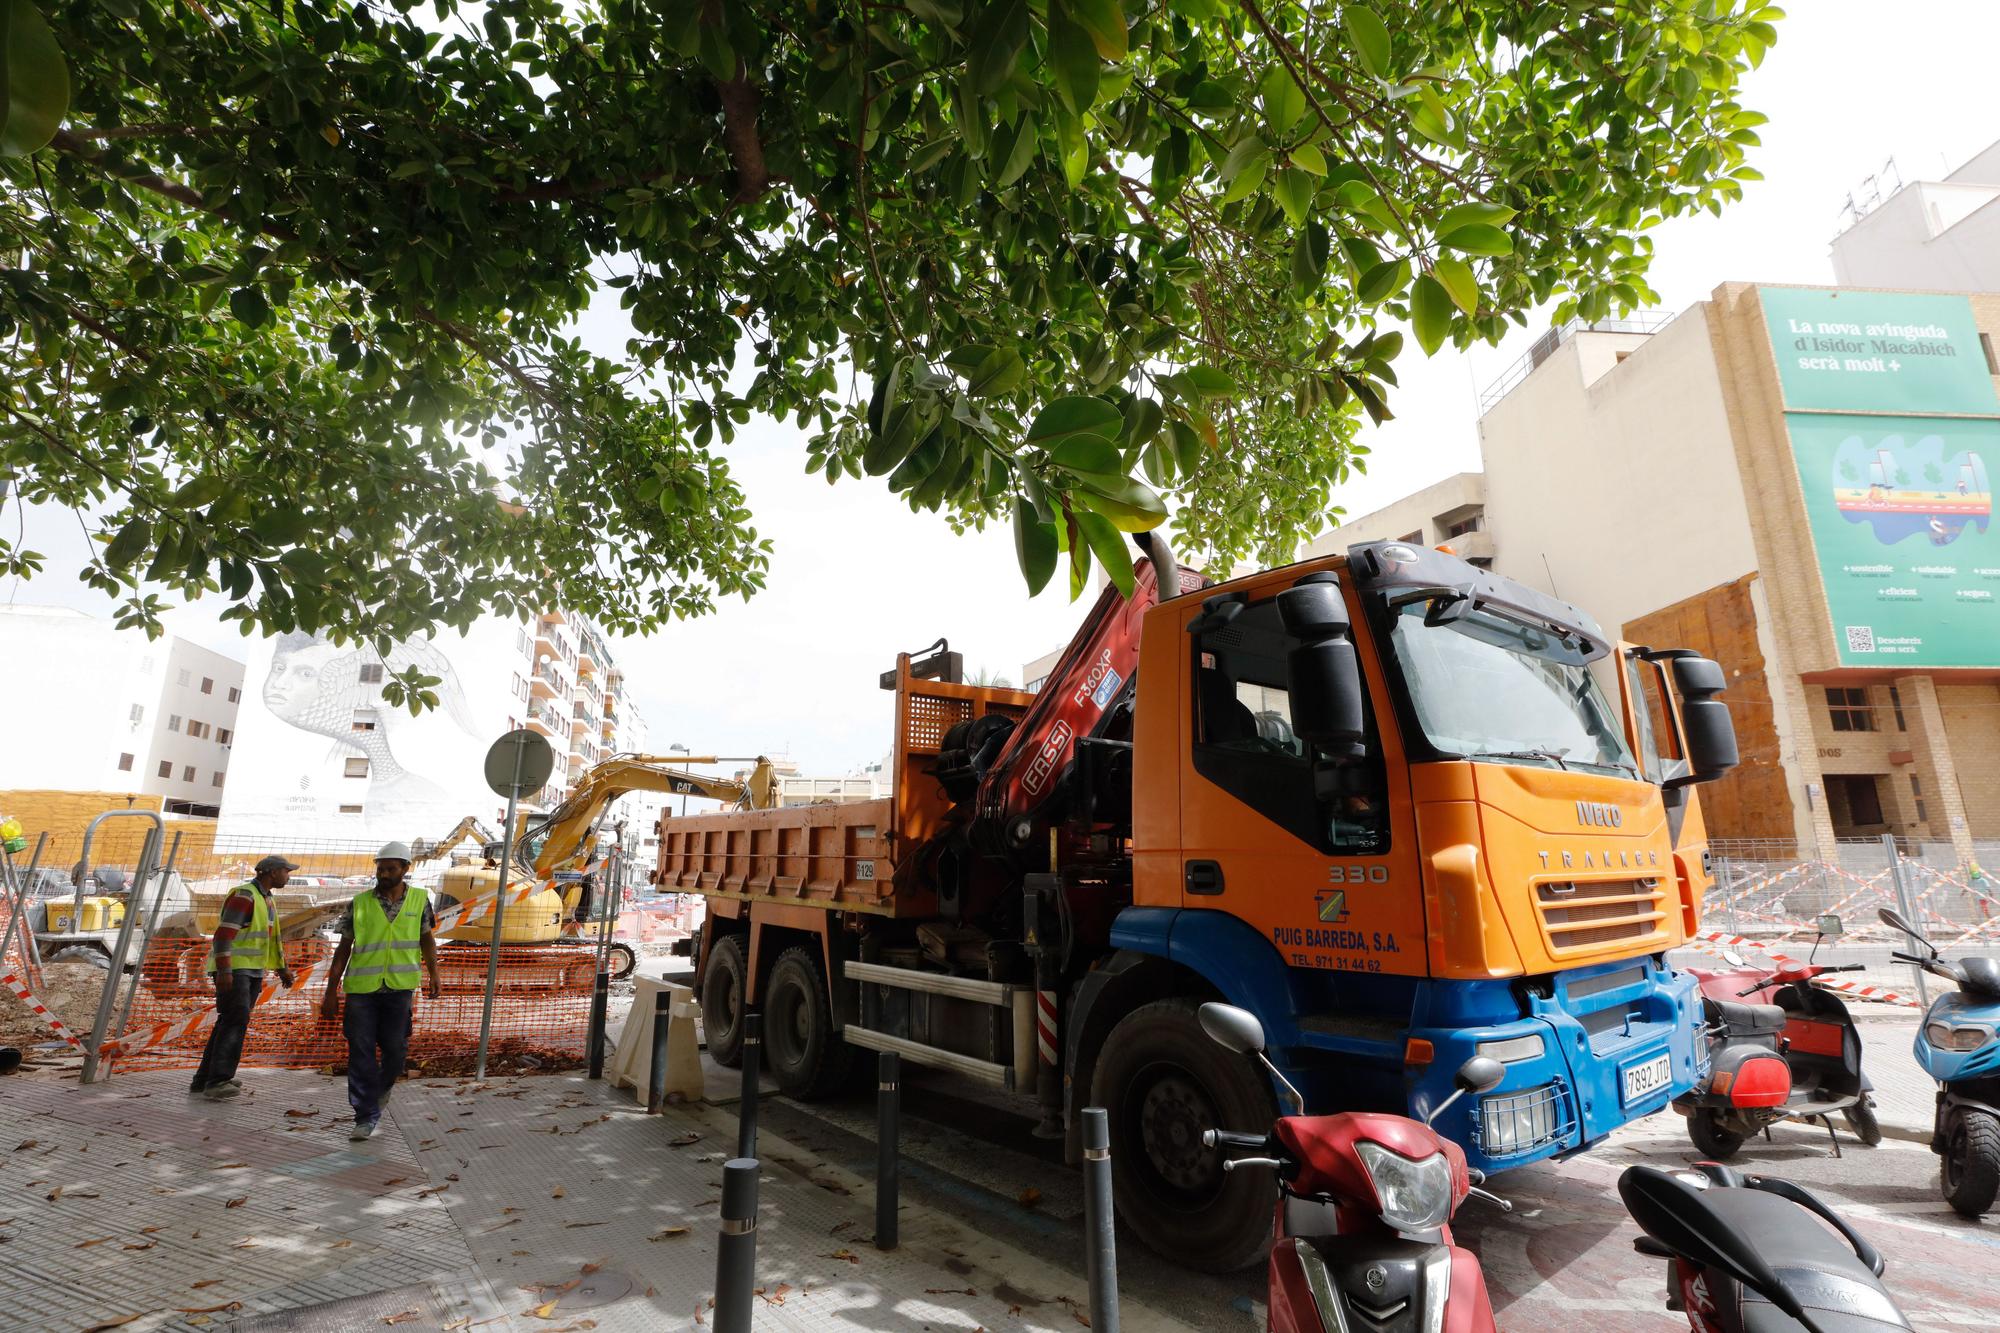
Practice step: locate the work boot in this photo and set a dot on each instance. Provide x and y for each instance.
(362, 1129)
(223, 1091)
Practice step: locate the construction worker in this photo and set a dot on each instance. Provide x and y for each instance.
(384, 931)
(247, 945)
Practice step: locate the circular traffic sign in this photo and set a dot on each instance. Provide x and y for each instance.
(519, 762)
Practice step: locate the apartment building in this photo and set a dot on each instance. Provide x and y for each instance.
(101, 709)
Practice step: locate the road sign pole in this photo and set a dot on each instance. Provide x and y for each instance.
(499, 914)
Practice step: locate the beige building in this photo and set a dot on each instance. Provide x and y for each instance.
(1796, 482)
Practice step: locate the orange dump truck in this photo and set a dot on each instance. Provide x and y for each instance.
(1402, 809)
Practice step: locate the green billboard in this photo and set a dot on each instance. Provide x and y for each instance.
(1895, 429)
(1901, 510)
(1852, 351)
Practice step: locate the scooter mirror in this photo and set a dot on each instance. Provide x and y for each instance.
(1889, 916)
(1733, 958)
(1479, 1074)
(1237, 1029)
(1831, 926)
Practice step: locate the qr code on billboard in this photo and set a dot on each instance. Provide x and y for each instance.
(1860, 639)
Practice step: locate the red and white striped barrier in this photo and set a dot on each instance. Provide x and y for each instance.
(132, 1043)
(41, 1011)
(1852, 987)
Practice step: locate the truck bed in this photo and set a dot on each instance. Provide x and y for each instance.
(839, 857)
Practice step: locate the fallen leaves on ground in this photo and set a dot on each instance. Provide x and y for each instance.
(1029, 1197)
(209, 1309)
(210, 1282)
(572, 1226)
(300, 1115)
(546, 1310)
(86, 1244)
(597, 1267)
(144, 1231)
(949, 1291)
(340, 1245)
(434, 1189)
(684, 1140)
(143, 1245)
(230, 1166)
(558, 1192)
(777, 1294)
(848, 1255)
(669, 1233)
(23, 1146)
(119, 1322)
(237, 1203)
(403, 1318)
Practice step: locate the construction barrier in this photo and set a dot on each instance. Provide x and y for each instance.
(541, 1007)
(1724, 940)
(1769, 894)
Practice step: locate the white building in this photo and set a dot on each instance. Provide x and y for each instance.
(95, 708)
(322, 756)
(1928, 235)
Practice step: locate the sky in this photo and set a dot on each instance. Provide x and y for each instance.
(855, 577)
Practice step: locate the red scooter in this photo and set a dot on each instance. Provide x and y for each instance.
(1361, 1237)
(1805, 1025)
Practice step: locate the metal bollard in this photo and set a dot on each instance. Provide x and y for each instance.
(656, 1078)
(600, 1011)
(746, 1105)
(736, 1250)
(1100, 1237)
(888, 1117)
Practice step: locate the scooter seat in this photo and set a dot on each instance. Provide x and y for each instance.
(1817, 1267)
(1750, 1020)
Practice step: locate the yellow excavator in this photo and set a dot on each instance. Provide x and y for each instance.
(554, 850)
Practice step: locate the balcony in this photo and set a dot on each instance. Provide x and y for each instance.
(545, 683)
(610, 731)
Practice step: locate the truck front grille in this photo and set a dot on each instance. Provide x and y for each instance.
(1578, 916)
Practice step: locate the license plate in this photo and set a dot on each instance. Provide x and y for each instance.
(1646, 1078)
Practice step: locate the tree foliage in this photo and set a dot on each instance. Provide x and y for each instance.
(294, 314)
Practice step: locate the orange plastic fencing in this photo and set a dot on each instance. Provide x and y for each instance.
(541, 1008)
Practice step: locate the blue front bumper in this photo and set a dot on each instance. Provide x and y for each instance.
(1594, 1024)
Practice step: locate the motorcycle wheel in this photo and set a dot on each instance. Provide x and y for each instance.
(1970, 1169)
(1711, 1137)
(1861, 1119)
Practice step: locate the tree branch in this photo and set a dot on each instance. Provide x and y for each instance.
(740, 103)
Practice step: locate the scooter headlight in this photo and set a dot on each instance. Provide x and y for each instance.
(1415, 1193)
(1962, 1039)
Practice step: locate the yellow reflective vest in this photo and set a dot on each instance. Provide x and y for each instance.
(257, 946)
(386, 953)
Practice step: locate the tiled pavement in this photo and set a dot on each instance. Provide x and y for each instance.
(546, 1203)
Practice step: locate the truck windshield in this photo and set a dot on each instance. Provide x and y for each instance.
(1488, 688)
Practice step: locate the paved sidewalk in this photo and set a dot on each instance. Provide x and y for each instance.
(547, 1203)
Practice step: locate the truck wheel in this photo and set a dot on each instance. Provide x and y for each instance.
(1163, 1081)
(801, 1049)
(1970, 1171)
(722, 1000)
(1713, 1138)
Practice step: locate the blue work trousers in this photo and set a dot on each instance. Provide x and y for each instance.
(232, 1020)
(377, 1025)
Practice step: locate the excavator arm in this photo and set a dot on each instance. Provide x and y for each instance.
(561, 839)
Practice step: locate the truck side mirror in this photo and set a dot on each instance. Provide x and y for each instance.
(1323, 674)
(1707, 730)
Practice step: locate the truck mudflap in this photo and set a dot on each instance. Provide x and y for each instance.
(1598, 1048)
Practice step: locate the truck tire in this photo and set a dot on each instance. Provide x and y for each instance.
(722, 1000)
(1712, 1137)
(801, 1050)
(1970, 1167)
(1163, 1081)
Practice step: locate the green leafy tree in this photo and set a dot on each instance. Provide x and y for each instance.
(288, 311)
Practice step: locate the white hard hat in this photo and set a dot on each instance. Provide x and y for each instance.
(394, 851)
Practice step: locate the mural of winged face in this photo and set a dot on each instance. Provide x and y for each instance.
(316, 686)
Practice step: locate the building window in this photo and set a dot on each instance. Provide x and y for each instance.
(222, 735)
(365, 719)
(1472, 523)
(235, 695)
(350, 809)
(1413, 538)
(217, 782)
(1992, 358)
(1850, 709)
(371, 674)
(198, 730)
(356, 768)
(1917, 790)
(173, 722)
(187, 773)
(124, 763)
(166, 768)
(208, 685)
(186, 676)
(138, 713)
(1896, 703)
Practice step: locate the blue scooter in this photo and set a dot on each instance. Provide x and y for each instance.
(1958, 1047)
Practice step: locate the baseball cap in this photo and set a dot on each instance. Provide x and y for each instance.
(276, 863)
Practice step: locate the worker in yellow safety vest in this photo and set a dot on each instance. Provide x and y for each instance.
(382, 937)
(246, 946)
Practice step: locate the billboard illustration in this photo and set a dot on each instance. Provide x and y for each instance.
(1901, 511)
